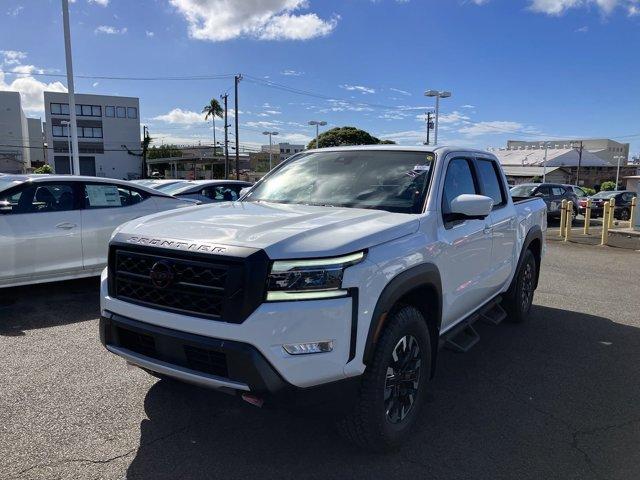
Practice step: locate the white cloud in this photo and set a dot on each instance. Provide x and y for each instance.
(26, 69)
(220, 20)
(468, 106)
(15, 11)
(102, 3)
(263, 124)
(31, 91)
(495, 128)
(291, 73)
(95, 84)
(179, 116)
(558, 7)
(403, 92)
(295, 138)
(358, 88)
(109, 30)
(12, 57)
(149, 34)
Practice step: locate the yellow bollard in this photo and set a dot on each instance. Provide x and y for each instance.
(587, 217)
(605, 223)
(634, 207)
(569, 220)
(612, 204)
(563, 214)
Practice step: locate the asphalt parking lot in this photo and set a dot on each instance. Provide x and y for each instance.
(556, 398)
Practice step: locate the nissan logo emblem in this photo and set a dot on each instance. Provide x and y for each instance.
(161, 274)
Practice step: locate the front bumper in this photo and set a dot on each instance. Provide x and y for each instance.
(233, 367)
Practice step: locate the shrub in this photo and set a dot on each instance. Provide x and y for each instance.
(608, 186)
(44, 169)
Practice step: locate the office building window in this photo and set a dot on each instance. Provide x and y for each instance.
(109, 111)
(60, 109)
(121, 112)
(132, 112)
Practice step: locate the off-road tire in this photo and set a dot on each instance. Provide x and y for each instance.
(519, 299)
(369, 425)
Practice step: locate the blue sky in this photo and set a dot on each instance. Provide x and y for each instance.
(518, 69)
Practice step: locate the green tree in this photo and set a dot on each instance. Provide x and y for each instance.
(213, 110)
(608, 186)
(44, 169)
(340, 136)
(164, 151)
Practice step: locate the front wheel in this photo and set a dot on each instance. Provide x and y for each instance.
(393, 386)
(520, 298)
(624, 215)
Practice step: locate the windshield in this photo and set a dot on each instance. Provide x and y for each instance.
(604, 194)
(523, 190)
(174, 188)
(394, 181)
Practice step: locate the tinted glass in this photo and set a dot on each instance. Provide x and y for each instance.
(38, 198)
(544, 191)
(394, 181)
(523, 190)
(490, 181)
(110, 111)
(458, 181)
(558, 191)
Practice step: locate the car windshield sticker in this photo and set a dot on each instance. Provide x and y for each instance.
(103, 196)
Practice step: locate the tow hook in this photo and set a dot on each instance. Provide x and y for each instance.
(252, 399)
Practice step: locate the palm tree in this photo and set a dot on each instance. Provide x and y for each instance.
(213, 110)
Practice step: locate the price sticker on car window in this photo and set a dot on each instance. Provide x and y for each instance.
(103, 196)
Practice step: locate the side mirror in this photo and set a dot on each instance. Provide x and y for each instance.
(469, 207)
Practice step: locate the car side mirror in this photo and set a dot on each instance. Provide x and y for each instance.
(470, 207)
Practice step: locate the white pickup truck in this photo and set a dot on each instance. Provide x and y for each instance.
(338, 276)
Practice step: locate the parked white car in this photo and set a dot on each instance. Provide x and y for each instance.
(57, 227)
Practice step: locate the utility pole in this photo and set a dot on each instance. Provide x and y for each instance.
(237, 79)
(72, 99)
(226, 137)
(429, 127)
(579, 161)
(145, 135)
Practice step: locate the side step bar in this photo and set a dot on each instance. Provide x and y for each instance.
(463, 336)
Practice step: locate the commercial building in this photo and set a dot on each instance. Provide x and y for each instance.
(108, 134)
(14, 135)
(603, 148)
(196, 163)
(525, 161)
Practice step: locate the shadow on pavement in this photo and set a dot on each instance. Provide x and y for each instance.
(555, 397)
(31, 306)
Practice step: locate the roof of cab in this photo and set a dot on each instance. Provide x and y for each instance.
(440, 150)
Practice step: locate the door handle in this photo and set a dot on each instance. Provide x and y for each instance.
(66, 225)
(487, 229)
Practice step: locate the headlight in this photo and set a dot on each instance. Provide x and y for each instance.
(310, 279)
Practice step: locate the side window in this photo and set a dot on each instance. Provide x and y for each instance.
(558, 191)
(543, 191)
(121, 112)
(105, 195)
(490, 182)
(458, 180)
(38, 198)
(109, 111)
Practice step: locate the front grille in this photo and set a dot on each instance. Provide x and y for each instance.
(218, 287)
(194, 286)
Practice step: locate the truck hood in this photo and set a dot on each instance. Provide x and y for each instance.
(283, 231)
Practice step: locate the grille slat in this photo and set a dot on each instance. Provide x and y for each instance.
(194, 287)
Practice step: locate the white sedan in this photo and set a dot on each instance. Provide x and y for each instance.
(57, 227)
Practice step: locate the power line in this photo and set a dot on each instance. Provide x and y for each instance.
(221, 76)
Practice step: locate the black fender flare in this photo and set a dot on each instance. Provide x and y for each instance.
(534, 233)
(424, 275)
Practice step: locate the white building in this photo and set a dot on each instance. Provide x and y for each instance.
(36, 141)
(108, 134)
(14, 135)
(284, 150)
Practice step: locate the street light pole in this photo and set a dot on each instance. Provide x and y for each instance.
(544, 163)
(438, 95)
(618, 157)
(72, 99)
(270, 148)
(318, 124)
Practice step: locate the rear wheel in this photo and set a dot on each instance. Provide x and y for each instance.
(624, 215)
(393, 386)
(520, 298)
